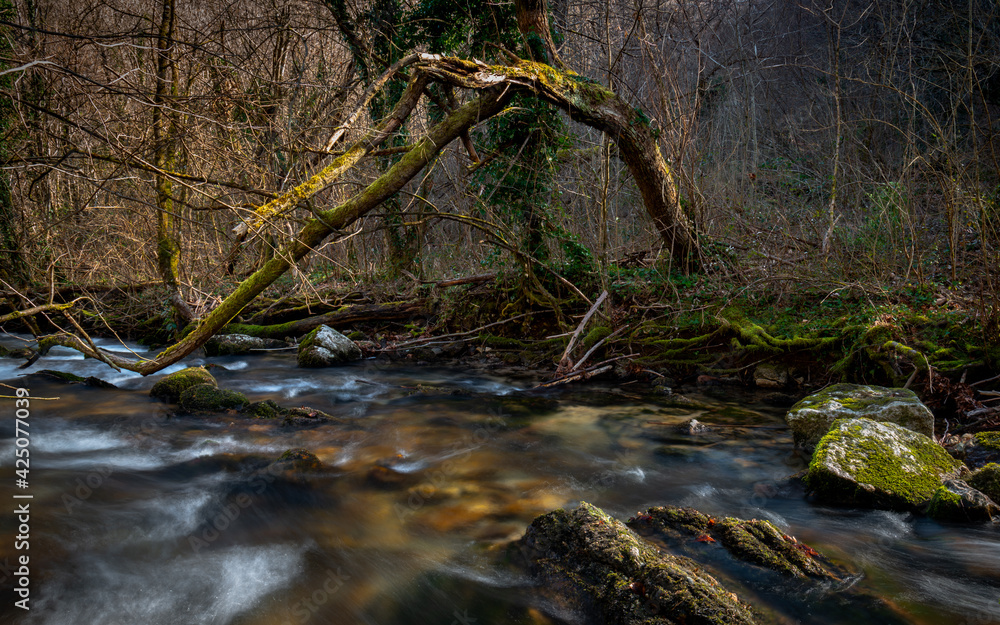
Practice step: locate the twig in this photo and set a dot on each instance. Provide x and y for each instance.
(596, 345)
(996, 377)
(448, 336)
(564, 360)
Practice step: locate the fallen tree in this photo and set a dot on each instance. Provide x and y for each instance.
(582, 99)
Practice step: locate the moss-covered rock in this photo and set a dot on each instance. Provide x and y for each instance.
(956, 501)
(752, 541)
(324, 347)
(267, 409)
(812, 417)
(983, 449)
(170, 387)
(868, 463)
(987, 481)
(591, 564)
(238, 344)
(209, 398)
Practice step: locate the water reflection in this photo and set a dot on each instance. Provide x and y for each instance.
(143, 516)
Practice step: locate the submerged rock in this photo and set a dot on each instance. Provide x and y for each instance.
(813, 416)
(71, 378)
(324, 347)
(955, 500)
(208, 398)
(297, 461)
(868, 463)
(170, 387)
(238, 344)
(753, 541)
(593, 565)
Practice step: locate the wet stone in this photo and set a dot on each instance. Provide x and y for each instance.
(239, 344)
(867, 463)
(590, 564)
(208, 398)
(170, 387)
(956, 501)
(812, 417)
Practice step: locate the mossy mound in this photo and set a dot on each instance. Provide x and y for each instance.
(867, 463)
(591, 564)
(170, 387)
(956, 501)
(987, 481)
(813, 416)
(208, 398)
(267, 409)
(752, 541)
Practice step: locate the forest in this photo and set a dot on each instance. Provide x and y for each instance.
(609, 251)
(167, 166)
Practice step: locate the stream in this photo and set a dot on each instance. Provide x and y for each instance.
(143, 517)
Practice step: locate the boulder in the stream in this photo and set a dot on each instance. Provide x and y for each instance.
(869, 463)
(813, 416)
(754, 541)
(955, 500)
(238, 344)
(987, 480)
(169, 387)
(324, 347)
(593, 565)
(209, 398)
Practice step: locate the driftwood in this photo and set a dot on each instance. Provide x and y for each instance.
(343, 316)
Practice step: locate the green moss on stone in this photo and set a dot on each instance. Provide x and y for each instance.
(987, 481)
(862, 462)
(267, 409)
(989, 440)
(208, 398)
(170, 387)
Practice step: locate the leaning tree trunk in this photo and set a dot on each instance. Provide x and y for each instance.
(584, 100)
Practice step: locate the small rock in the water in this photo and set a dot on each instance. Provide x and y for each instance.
(813, 416)
(208, 398)
(267, 409)
(324, 347)
(868, 463)
(170, 387)
(238, 344)
(297, 460)
(955, 500)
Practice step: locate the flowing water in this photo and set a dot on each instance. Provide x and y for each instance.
(143, 517)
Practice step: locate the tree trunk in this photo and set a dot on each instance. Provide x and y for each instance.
(592, 104)
(315, 230)
(583, 100)
(168, 249)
